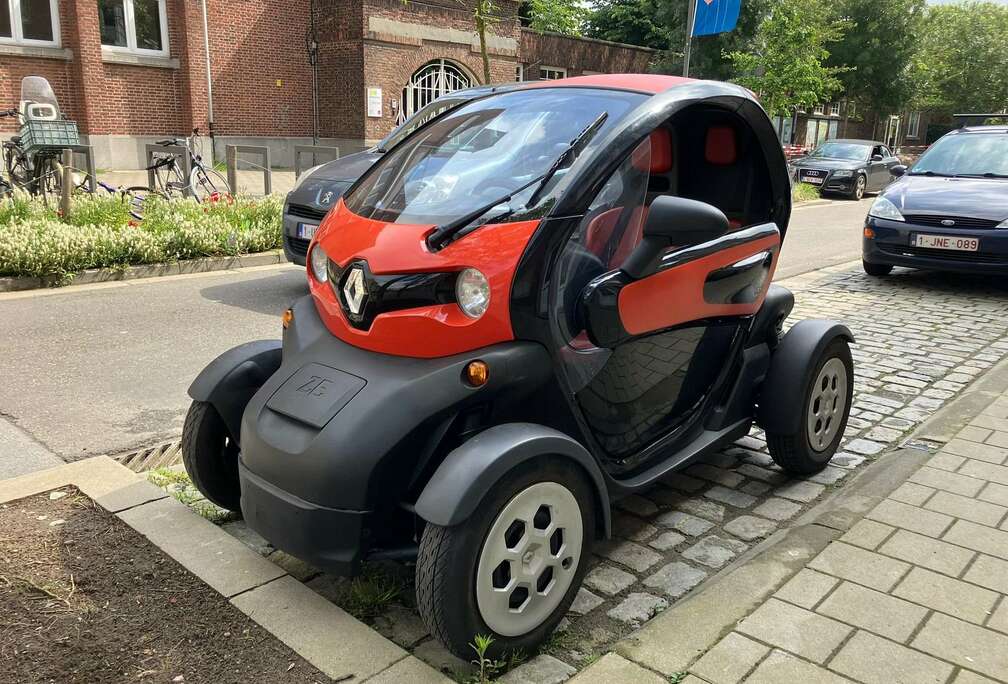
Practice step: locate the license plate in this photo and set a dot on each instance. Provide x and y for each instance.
(306, 231)
(958, 243)
(816, 179)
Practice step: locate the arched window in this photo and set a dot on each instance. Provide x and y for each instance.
(430, 82)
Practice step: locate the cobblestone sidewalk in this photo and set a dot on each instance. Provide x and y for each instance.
(915, 592)
(921, 338)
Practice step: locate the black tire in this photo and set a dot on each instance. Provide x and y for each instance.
(16, 162)
(860, 185)
(449, 556)
(877, 270)
(795, 453)
(208, 184)
(211, 456)
(47, 181)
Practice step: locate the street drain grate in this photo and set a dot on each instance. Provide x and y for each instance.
(928, 445)
(149, 458)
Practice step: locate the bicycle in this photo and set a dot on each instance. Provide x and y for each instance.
(204, 183)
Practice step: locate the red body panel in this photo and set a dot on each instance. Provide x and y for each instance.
(431, 331)
(676, 295)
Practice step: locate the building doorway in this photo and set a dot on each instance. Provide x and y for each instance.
(430, 82)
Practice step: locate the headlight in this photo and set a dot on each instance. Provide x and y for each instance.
(319, 263)
(472, 290)
(304, 176)
(842, 173)
(1003, 224)
(884, 209)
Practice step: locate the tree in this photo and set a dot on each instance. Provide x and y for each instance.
(661, 25)
(877, 49)
(789, 69)
(962, 61)
(555, 16)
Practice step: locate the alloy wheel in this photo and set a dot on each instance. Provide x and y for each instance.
(827, 404)
(529, 559)
(859, 188)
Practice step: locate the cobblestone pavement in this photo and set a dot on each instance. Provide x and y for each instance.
(921, 338)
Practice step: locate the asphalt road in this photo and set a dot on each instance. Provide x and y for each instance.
(103, 369)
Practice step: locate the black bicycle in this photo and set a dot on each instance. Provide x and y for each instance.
(204, 183)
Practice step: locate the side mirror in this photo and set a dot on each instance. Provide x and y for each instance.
(898, 170)
(673, 221)
(876, 157)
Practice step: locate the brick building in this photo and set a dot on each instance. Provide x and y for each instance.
(132, 71)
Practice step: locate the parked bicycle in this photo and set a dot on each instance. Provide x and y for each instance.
(203, 183)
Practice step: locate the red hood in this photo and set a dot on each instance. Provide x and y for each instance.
(428, 331)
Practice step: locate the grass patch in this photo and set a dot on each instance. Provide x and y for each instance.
(181, 488)
(803, 192)
(99, 232)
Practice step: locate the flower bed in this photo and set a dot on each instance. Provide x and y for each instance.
(99, 232)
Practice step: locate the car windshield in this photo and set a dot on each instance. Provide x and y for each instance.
(425, 114)
(842, 150)
(480, 151)
(966, 154)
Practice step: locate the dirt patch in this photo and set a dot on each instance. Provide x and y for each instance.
(85, 598)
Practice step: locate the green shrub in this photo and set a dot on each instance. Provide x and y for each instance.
(98, 232)
(804, 192)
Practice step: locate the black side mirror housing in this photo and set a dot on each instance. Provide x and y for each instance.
(876, 157)
(674, 221)
(898, 170)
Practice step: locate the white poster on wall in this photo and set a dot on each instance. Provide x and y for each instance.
(374, 102)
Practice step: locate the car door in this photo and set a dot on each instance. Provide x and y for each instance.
(878, 173)
(889, 159)
(642, 354)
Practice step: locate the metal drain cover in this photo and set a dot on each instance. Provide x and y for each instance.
(149, 458)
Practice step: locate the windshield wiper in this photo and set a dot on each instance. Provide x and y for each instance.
(987, 174)
(930, 173)
(443, 234)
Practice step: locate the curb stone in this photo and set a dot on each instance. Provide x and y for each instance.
(732, 594)
(105, 275)
(321, 633)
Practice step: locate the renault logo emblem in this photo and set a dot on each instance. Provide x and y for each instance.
(355, 290)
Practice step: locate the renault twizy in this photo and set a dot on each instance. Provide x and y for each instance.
(540, 301)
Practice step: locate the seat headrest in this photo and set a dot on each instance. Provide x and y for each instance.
(720, 146)
(660, 160)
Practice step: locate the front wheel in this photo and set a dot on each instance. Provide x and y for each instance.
(208, 185)
(860, 184)
(511, 570)
(210, 456)
(825, 409)
(138, 198)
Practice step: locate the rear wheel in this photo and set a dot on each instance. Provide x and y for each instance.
(210, 456)
(138, 198)
(48, 180)
(877, 270)
(511, 570)
(825, 410)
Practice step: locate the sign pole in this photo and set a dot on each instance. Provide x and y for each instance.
(690, 18)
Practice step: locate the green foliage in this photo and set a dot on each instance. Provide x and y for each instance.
(961, 64)
(488, 667)
(789, 68)
(877, 47)
(556, 16)
(181, 488)
(99, 233)
(804, 192)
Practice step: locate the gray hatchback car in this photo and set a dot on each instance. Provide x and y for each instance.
(319, 188)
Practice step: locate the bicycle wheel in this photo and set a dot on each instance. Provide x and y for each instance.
(168, 178)
(16, 162)
(48, 180)
(208, 185)
(138, 198)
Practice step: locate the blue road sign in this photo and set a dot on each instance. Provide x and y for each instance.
(715, 16)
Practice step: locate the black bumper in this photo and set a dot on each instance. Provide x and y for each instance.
(330, 444)
(893, 244)
(328, 538)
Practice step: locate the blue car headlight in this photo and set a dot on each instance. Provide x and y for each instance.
(884, 209)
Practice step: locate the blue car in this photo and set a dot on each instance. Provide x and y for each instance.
(949, 212)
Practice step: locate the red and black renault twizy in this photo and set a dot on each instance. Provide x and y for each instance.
(540, 301)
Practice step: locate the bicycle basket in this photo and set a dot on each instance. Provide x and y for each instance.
(41, 135)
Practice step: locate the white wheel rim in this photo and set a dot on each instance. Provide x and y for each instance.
(827, 404)
(522, 578)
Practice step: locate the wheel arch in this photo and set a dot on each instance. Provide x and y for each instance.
(471, 470)
(791, 368)
(229, 381)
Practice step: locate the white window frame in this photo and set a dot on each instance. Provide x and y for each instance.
(519, 72)
(560, 71)
(17, 31)
(818, 109)
(131, 44)
(913, 125)
(834, 109)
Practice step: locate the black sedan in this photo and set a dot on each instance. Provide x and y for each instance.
(847, 167)
(316, 190)
(949, 212)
